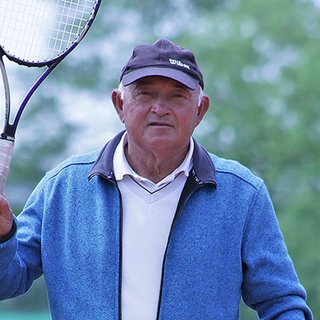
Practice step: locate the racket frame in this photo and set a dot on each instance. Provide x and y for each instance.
(7, 137)
(9, 130)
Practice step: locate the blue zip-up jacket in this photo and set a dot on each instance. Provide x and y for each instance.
(224, 244)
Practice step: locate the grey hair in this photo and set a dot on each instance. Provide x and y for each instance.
(200, 96)
(121, 89)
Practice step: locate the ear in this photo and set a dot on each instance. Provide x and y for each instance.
(118, 103)
(203, 108)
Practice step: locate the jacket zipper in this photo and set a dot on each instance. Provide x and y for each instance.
(191, 185)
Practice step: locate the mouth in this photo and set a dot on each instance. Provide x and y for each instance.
(159, 124)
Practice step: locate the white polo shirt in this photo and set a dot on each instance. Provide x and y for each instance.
(148, 212)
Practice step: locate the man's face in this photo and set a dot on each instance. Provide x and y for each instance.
(160, 113)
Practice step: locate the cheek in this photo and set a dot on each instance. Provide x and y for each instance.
(128, 111)
(188, 119)
(134, 116)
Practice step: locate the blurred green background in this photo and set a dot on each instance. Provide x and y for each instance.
(260, 60)
(25, 315)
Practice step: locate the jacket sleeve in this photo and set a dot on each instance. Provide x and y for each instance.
(20, 256)
(270, 283)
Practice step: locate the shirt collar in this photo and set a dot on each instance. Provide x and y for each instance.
(122, 167)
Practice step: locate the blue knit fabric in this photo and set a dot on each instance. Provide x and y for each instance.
(225, 244)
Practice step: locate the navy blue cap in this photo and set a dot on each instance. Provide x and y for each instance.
(163, 58)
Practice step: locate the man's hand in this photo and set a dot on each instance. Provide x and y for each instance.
(6, 217)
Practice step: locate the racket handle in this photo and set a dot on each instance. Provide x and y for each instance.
(6, 151)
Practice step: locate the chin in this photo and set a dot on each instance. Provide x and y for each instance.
(161, 143)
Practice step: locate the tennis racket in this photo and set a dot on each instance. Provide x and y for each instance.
(37, 33)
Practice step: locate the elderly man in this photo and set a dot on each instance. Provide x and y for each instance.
(153, 226)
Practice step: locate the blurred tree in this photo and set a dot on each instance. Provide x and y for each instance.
(42, 140)
(260, 64)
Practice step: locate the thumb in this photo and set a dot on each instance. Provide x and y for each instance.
(6, 216)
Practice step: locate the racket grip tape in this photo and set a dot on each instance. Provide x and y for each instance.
(6, 151)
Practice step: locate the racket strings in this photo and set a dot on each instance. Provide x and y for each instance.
(41, 30)
(72, 18)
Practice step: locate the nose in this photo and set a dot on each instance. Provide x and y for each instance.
(160, 106)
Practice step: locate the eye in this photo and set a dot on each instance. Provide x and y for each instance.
(144, 95)
(179, 95)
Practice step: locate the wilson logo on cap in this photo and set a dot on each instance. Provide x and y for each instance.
(179, 63)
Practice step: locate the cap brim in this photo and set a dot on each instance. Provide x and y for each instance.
(174, 74)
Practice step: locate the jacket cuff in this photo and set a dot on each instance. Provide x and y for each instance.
(10, 234)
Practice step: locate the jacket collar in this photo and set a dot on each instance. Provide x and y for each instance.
(203, 168)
